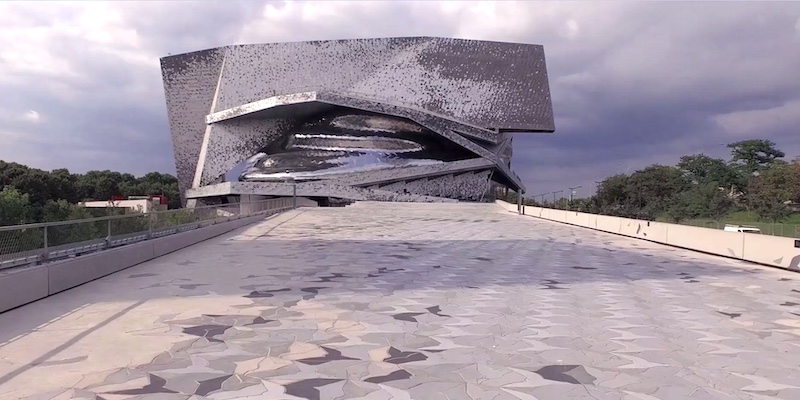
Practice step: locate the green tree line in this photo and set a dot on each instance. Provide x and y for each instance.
(756, 178)
(15, 208)
(29, 195)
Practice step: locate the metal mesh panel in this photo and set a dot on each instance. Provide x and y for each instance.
(37, 243)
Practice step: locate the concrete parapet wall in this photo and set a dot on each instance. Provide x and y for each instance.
(774, 251)
(305, 202)
(20, 286)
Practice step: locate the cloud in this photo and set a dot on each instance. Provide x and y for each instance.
(31, 116)
(747, 121)
(633, 83)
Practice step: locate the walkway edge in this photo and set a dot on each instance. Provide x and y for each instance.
(770, 251)
(20, 286)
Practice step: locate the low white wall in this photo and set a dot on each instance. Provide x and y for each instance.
(306, 202)
(774, 251)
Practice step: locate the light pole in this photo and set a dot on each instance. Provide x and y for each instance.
(554, 197)
(597, 186)
(755, 175)
(294, 193)
(572, 193)
(541, 202)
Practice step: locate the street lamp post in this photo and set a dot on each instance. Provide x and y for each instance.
(294, 194)
(572, 193)
(755, 175)
(554, 197)
(541, 197)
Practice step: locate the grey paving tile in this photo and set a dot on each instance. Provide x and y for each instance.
(389, 300)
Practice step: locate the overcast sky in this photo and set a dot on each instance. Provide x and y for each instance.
(632, 83)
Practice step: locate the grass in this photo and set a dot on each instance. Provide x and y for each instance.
(752, 216)
(789, 227)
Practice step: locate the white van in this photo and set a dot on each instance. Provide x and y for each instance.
(743, 228)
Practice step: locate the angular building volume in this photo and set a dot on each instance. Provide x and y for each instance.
(392, 119)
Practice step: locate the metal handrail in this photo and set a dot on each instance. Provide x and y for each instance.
(31, 244)
(104, 218)
(713, 223)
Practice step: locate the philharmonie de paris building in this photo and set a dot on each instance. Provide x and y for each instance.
(391, 119)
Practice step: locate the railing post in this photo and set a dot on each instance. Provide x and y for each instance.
(45, 251)
(294, 194)
(108, 238)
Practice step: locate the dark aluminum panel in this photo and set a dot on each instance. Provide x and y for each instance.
(467, 91)
(190, 82)
(307, 189)
(488, 84)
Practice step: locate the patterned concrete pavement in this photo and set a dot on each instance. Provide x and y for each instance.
(413, 301)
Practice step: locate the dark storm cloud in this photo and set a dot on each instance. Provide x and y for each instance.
(90, 134)
(632, 83)
(109, 116)
(112, 115)
(656, 93)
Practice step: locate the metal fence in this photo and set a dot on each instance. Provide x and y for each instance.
(767, 228)
(48, 241)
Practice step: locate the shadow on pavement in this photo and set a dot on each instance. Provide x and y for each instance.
(280, 272)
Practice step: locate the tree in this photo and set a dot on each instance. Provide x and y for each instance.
(153, 183)
(754, 155)
(795, 167)
(62, 210)
(612, 195)
(703, 169)
(584, 205)
(772, 189)
(9, 172)
(35, 183)
(15, 207)
(701, 201)
(704, 187)
(42, 187)
(654, 189)
(64, 185)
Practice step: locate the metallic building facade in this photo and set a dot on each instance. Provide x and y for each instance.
(404, 119)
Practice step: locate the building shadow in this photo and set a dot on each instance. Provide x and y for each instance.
(278, 272)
